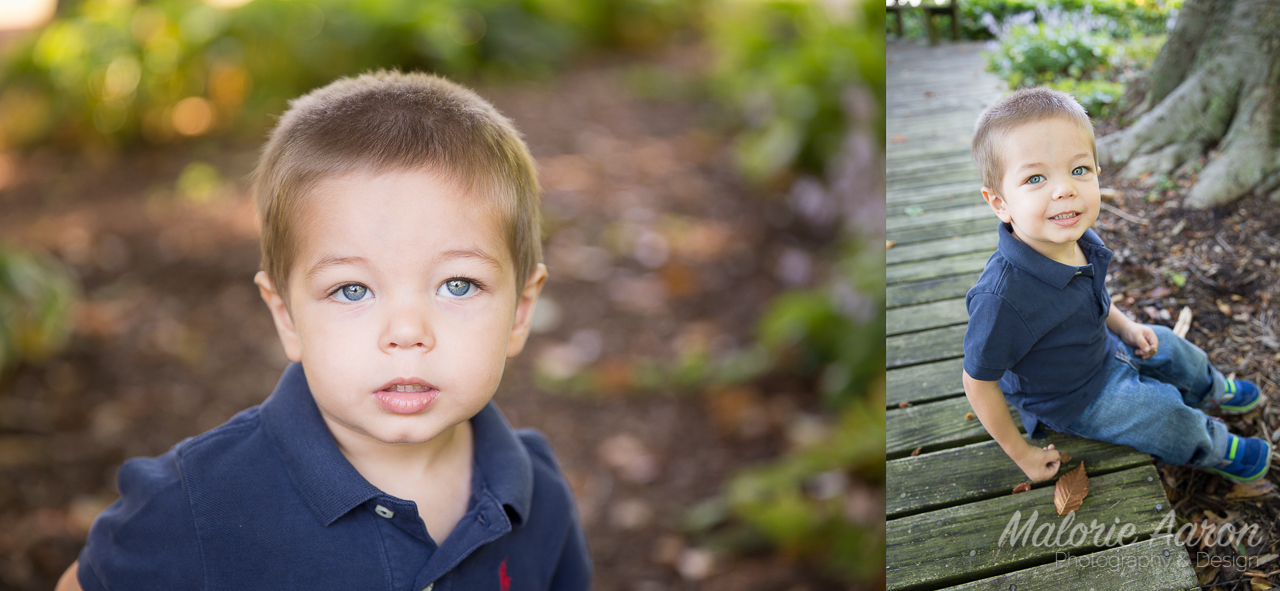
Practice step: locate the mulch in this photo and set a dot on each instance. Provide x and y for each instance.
(1221, 263)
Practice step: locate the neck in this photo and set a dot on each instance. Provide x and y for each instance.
(397, 468)
(1069, 253)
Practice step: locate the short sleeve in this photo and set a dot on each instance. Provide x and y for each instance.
(996, 339)
(146, 539)
(573, 567)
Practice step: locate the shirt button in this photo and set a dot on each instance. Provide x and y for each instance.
(483, 520)
(384, 512)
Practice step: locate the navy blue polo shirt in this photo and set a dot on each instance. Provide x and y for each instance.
(1039, 328)
(267, 501)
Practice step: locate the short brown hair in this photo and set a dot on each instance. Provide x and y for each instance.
(386, 122)
(1020, 108)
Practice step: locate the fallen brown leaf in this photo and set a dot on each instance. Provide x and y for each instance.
(968, 416)
(1071, 490)
(1021, 488)
(904, 404)
(1065, 457)
(1260, 584)
(890, 244)
(915, 452)
(1255, 489)
(1184, 322)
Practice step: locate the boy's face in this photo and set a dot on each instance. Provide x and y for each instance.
(1049, 192)
(402, 305)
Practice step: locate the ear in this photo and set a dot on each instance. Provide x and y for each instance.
(280, 313)
(524, 310)
(997, 204)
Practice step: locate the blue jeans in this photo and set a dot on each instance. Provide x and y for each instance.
(1154, 405)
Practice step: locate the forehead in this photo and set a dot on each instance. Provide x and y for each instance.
(398, 214)
(1034, 140)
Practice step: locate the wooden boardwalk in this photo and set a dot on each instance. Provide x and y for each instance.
(948, 506)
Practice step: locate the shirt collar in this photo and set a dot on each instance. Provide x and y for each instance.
(1048, 270)
(331, 487)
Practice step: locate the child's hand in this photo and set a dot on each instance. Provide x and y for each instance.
(1039, 463)
(1142, 339)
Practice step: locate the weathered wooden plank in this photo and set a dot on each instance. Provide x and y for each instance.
(982, 471)
(1159, 564)
(955, 173)
(934, 426)
(941, 266)
(926, 233)
(930, 290)
(959, 544)
(924, 346)
(902, 149)
(977, 211)
(962, 193)
(925, 316)
(985, 242)
(920, 383)
(940, 204)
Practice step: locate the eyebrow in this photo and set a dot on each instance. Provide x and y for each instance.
(1073, 158)
(333, 261)
(460, 253)
(470, 253)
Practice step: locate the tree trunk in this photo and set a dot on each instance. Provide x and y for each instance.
(1214, 89)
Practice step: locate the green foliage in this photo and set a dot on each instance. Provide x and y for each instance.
(118, 72)
(837, 332)
(36, 297)
(1098, 97)
(786, 65)
(1118, 18)
(801, 503)
(1032, 56)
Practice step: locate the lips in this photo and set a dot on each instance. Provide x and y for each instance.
(406, 396)
(1067, 218)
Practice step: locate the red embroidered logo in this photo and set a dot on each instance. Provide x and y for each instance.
(503, 579)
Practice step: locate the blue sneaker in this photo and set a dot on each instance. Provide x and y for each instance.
(1241, 396)
(1247, 460)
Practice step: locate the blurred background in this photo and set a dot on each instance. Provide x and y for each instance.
(708, 360)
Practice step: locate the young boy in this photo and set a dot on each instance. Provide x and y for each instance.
(400, 255)
(1043, 333)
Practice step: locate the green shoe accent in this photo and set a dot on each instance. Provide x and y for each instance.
(1231, 455)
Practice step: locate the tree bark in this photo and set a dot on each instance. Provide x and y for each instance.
(1214, 90)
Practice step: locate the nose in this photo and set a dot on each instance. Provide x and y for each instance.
(407, 326)
(1064, 189)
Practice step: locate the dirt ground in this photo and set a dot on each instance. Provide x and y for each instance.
(654, 247)
(1222, 265)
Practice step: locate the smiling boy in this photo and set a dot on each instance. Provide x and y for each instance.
(401, 249)
(1042, 332)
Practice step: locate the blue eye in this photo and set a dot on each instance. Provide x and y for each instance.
(351, 292)
(457, 288)
(1032, 178)
(1079, 170)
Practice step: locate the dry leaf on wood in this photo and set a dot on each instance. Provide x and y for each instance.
(890, 244)
(1260, 584)
(968, 416)
(1021, 488)
(1071, 489)
(1256, 489)
(915, 452)
(1064, 457)
(904, 404)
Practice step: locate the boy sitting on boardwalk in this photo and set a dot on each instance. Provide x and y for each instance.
(401, 264)
(1043, 333)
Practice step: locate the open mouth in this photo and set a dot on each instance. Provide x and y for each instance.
(1066, 216)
